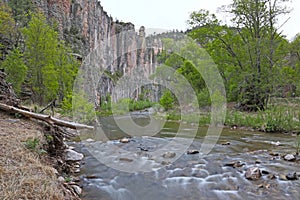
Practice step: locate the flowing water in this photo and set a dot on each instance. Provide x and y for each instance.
(190, 176)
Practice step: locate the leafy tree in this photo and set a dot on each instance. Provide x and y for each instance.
(247, 52)
(41, 53)
(66, 68)
(52, 69)
(167, 100)
(294, 63)
(15, 68)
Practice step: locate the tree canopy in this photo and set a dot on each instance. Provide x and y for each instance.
(250, 52)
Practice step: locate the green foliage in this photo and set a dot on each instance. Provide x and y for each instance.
(167, 100)
(78, 105)
(123, 106)
(49, 138)
(7, 30)
(274, 119)
(7, 23)
(247, 53)
(188, 70)
(41, 42)
(15, 68)
(204, 98)
(140, 105)
(32, 144)
(52, 69)
(21, 10)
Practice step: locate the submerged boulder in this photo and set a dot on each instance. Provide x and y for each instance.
(169, 155)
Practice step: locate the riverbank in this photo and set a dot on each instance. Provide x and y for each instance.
(27, 171)
(282, 116)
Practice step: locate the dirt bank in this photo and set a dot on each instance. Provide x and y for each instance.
(26, 169)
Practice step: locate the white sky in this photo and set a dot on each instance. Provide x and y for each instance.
(173, 14)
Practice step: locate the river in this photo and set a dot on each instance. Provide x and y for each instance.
(187, 176)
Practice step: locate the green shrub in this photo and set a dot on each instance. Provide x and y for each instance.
(204, 98)
(167, 100)
(32, 144)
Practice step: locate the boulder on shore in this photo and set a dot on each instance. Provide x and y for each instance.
(73, 156)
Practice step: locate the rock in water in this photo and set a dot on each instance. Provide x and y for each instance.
(289, 157)
(194, 151)
(292, 176)
(169, 155)
(253, 173)
(282, 177)
(125, 140)
(72, 155)
(234, 164)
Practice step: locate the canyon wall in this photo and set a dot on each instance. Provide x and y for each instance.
(114, 49)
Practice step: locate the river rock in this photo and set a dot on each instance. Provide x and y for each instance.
(226, 143)
(72, 155)
(271, 176)
(264, 172)
(258, 162)
(193, 151)
(92, 176)
(234, 164)
(275, 143)
(289, 157)
(253, 173)
(126, 159)
(169, 155)
(124, 140)
(77, 189)
(292, 176)
(273, 153)
(282, 177)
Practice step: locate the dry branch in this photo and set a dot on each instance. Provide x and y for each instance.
(46, 118)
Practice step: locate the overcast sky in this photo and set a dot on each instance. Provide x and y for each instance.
(173, 14)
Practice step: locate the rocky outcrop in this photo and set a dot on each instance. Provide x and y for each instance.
(120, 49)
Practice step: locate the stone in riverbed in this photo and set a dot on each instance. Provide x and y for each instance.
(282, 177)
(253, 173)
(292, 176)
(72, 155)
(124, 140)
(126, 159)
(271, 176)
(226, 143)
(289, 157)
(274, 153)
(234, 164)
(193, 151)
(169, 155)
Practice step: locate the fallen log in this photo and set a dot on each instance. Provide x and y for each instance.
(46, 118)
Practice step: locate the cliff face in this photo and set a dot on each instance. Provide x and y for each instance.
(119, 49)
